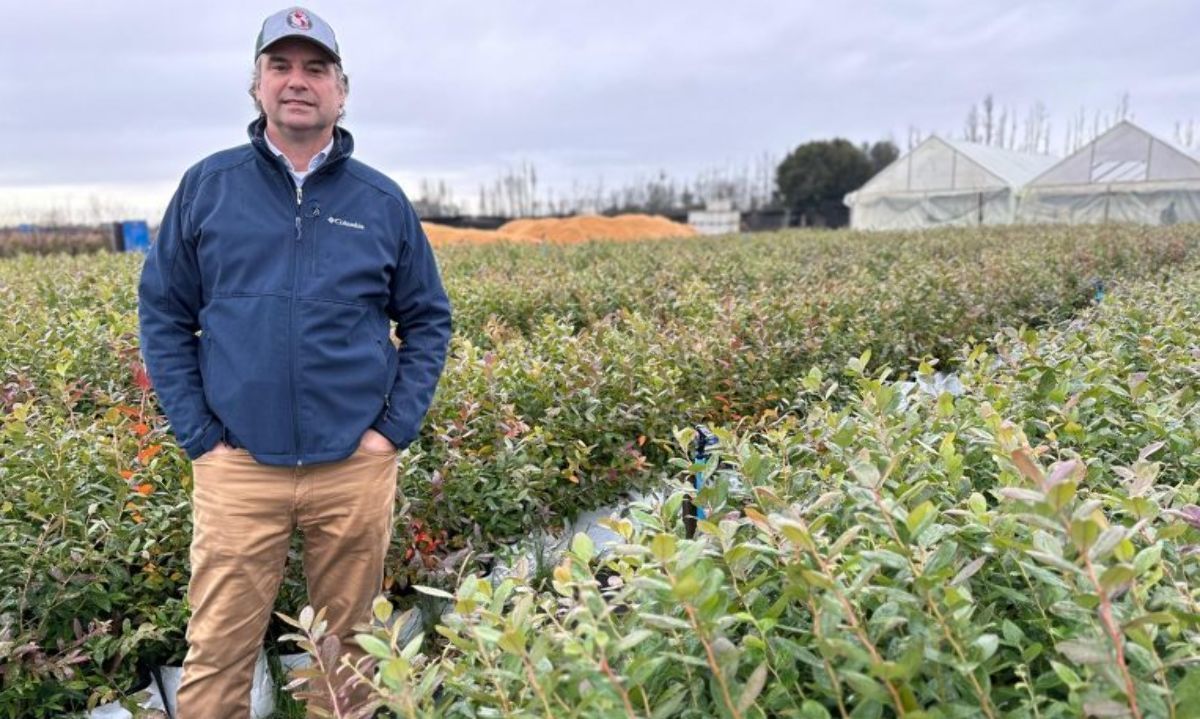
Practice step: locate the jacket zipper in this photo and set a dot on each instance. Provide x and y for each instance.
(292, 326)
(388, 377)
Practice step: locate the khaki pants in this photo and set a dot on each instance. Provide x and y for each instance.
(244, 514)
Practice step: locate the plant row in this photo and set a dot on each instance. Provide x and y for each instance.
(51, 241)
(543, 410)
(1027, 548)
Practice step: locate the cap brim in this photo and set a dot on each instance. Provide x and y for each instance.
(301, 36)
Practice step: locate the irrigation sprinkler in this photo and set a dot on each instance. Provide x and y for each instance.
(702, 451)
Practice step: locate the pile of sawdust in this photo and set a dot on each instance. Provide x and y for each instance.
(596, 227)
(444, 235)
(565, 230)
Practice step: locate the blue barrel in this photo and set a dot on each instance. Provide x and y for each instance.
(135, 235)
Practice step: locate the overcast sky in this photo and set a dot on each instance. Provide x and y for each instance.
(103, 105)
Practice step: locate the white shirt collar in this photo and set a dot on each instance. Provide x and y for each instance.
(313, 164)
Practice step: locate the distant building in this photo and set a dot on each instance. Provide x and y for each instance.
(717, 218)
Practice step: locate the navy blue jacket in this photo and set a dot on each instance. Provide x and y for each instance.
(292, 290)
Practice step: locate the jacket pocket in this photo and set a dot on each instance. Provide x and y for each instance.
(248, 370)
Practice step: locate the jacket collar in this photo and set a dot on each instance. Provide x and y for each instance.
(343, 143)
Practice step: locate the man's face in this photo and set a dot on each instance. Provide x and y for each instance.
(298, 87)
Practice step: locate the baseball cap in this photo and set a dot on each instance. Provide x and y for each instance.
(297, 22)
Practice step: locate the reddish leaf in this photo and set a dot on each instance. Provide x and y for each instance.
(140, 378)
(1028, 467)
(148, 453)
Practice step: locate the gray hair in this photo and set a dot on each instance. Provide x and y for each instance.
(342, 79)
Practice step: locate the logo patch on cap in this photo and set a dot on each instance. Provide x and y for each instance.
(299, 20)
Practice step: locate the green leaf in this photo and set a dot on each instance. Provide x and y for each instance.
(1107, 542)
(513, 641)
(865, 472)
(1012, 633)
(1105, 708)
(977, 504)
(795, 533)
(753, 688)
(1066, 674)
(669, 707)
(1152, 618)
(1060, 494)
(1084, 651)
(843, 541)
(631, 640)
(1055, 561)
(1087, 509)
(686, 588)
(968, 571)
(987, 644)
(373, 646)
(414, 645)
(1147, 558)
(810, 709)
(433, 591)
(1115, 576)
(583, 547)
(663, 622)
(1022, 495)
(816, 579)
(1084, 533)
(812, 381)
(864, 685)
(1187, 693)
(381, 608)
(663, 546)
(920, 517)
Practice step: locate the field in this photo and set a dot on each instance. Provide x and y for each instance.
(1021, 549)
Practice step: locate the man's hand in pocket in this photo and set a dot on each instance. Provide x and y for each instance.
(373, 441)
(217, 449)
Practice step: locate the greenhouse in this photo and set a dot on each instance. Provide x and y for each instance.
(945, 182)
(1124, 175)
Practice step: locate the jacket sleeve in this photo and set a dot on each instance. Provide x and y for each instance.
(421, 309)
(168, 316)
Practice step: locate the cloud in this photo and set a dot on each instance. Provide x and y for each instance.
(130, 94)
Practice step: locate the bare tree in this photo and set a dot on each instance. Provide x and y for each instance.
(1035, 123)
(435, 200)
(1185, 133)
(1124, 111)
(988, 127)
(971, 125)
(915, 137)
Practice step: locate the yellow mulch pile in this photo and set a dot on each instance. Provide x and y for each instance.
(443, 235)
(566, 230)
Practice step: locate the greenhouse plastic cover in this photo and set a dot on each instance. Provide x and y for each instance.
(945, 182)
(1125, 175)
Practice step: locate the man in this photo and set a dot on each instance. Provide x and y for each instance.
(290, 258)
